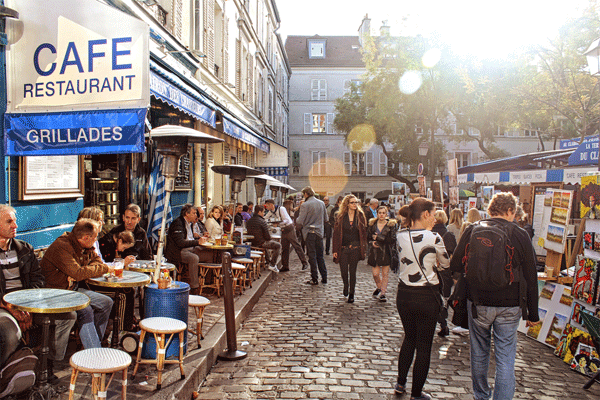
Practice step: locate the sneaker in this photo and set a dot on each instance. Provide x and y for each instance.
(459, 330)
(376, 292)
(423, 396)
(274, 268)
(311, 282)
(399, 389)
(382, 298)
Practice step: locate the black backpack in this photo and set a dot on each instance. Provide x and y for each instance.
(489, 260)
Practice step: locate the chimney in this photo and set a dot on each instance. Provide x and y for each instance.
(385, 29)
(364, 29)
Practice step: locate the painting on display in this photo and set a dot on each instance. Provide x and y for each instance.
(588, 240)
(437, 192)
(399, 188)
(590, 197)
(554, 309)
(472, 203)
(487, 192)
(548, 198)
(559, 215)
(555, 219)
(584, 281)
(585, 360)
(555, 233)
(422, 186)
(454, 195)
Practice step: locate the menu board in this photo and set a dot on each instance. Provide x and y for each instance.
(44, 177)
(183, 181)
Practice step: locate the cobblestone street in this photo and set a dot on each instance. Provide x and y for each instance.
(306, 342)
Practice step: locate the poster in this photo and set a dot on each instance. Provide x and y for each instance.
(472, 203)
(437, 192)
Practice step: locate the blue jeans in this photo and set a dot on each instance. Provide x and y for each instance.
(93, 319)
(314, 250)
(503, 321)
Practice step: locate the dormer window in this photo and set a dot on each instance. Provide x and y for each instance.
(316, 49)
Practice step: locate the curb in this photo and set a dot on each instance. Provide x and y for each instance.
(198, 364)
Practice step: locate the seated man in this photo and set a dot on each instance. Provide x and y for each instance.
(257, 227)
(183, 247)
(21, 270)
(238, 218)
(131, 218)
(67, 263)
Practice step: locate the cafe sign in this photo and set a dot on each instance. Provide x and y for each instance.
(84, 62)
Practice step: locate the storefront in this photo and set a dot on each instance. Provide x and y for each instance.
(77, 100)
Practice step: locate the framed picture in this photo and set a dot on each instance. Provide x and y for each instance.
(438, 194)
(399, 188)
(487, 192)
(51, 177)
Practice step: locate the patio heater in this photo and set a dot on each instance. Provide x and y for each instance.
(260, 184)
(172, 142)
(237, 174)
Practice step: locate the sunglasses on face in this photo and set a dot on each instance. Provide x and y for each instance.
(353, 202)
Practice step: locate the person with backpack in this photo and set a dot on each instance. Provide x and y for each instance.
(498, 262)
(422, 254)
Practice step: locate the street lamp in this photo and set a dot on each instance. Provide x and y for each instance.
(423, 150)
(172, 142)
(592, 55)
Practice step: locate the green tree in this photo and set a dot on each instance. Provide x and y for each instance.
(378, 112)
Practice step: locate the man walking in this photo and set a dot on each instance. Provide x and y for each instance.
(371, 209)
(258, 228)
(288, 236)
(498, 311)
(311, 219)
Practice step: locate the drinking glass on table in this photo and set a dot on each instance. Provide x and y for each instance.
(218, 240)
(118, 263)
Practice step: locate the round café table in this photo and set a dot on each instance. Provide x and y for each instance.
(217, 250)
(46, 301)
(130, 279)
(148, 267)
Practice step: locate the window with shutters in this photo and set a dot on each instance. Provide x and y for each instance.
(319, 123)
(355, 163)
(353, 86)
(370, 164)
(382, 164)
(218, 21)
(270, 119)
(330, 118)
(318, 89)
(319, 161)
(462, 159)
(347, 163)
(316, 48)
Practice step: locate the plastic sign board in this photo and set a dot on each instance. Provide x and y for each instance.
(67, 62)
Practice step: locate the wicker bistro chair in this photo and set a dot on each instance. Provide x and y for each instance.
(238, 270)
(592, 323)
(160, 327)
(210, 276)
(248, 264)
(199, 303)
(99, 362)
(263, 260)
(257, 257)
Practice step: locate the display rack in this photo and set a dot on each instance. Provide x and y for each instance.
(105, 195)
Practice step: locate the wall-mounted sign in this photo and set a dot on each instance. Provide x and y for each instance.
(84, 57)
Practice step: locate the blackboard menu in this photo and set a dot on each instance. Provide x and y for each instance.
(183, 181)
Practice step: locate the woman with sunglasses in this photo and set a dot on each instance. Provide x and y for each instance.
(381, 234)
(422, 252)
(349, 242)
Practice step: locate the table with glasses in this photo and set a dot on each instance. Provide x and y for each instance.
(148, 267)
(46, 301)
(130, 279)
(217, 250)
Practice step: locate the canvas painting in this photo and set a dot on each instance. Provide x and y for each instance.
(555, 233)
(438, 195)
(487, 192)
(565, 199)
(561, 346)
(472, 203)
(559, 215)
(548, 291)
(534, 331)
(588, 240)
(556, 199)
(571, 343)
(548, 198)
(559, 322)
(422, 186)
(584, 281)
(566, 297)
(596, 242)
(585, 360)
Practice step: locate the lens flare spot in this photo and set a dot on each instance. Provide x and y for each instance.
(410, 82)
(431, 58)
(361, 138)
(327, 176)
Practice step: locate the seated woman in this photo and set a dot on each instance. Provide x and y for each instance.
(214, 222)
(111, 246)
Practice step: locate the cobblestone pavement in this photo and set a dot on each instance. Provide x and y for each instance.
(306, 342)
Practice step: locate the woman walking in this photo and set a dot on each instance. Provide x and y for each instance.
(455, 223)
(349, 242)
(381, 235)
(422, 252)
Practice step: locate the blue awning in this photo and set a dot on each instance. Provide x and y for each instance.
(167, 87)
(235, 130)
(274, 171)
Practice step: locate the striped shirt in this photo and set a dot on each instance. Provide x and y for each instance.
(10, 268)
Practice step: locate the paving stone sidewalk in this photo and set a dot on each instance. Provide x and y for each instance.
(306, 342)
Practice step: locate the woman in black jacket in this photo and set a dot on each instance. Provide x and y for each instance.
(381, 236)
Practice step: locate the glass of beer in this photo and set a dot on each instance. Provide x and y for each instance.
(218, 240)
(118, 267)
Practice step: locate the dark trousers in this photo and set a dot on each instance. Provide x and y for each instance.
(275, 247)
(328, 233)
(418, 309)
(289, 239)
(348, 261)
(314, 249)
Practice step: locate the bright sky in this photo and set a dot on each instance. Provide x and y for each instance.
(479, 27)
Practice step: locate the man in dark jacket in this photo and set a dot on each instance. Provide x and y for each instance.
(257, 227)
(131, 218)
(183, 247)
(500, 310)
(238, 218)
(21, 270)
